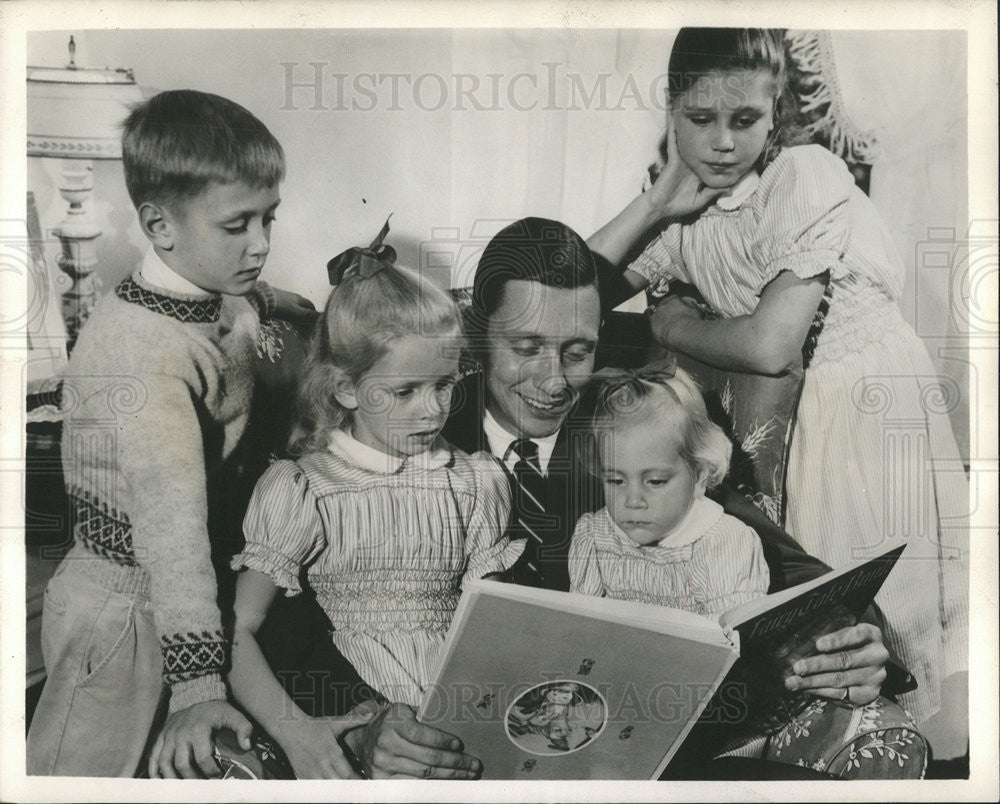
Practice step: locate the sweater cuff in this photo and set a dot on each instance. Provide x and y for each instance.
(263, 299)
(196, 690)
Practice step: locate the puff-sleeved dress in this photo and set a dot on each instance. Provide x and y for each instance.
(873, 458)
(385, 544)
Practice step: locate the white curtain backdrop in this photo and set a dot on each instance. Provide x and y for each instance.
(461, 131)
(456, 132)
(908, 88)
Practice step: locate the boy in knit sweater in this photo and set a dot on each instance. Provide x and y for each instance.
(156, 398)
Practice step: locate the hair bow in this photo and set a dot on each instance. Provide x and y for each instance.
(661, 369)
(633, 383)
(366, 262)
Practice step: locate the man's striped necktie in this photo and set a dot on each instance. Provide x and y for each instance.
(529, 500)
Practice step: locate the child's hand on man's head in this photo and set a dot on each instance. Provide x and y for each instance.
(187, 735)
(293, 308)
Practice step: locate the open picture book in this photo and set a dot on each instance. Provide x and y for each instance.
(555, 685)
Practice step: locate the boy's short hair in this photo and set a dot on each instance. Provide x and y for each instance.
(178, 141)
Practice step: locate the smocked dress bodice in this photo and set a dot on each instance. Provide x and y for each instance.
(710, 563)
(384, 543)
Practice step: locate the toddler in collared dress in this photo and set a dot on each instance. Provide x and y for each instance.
(379, 515)
(659, 539)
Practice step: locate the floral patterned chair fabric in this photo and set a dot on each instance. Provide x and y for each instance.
(877, 741)
(758, 415)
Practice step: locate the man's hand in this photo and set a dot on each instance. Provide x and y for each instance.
(394, 744)
(187, 735)
(293, 308)
(850, 666)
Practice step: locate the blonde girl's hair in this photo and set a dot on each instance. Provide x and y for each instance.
(361, 318)
(701, 51)
(623, 400)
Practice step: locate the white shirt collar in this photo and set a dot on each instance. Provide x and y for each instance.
(740, 192)
(500, 440)
(345, 446)
(155, 271)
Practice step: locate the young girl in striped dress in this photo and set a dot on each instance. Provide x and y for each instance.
(771, 235)
(379, 515)
(659, 539)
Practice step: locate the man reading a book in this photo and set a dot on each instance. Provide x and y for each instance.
(533, 326)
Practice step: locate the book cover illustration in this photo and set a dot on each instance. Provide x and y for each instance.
(551, 685)
(556, 718)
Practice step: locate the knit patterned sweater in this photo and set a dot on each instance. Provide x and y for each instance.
(157, 394)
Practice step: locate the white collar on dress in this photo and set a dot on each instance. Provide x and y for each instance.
(345, 446)
(500, 440)
(156, 272)
(739, 193)
(702, 514)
